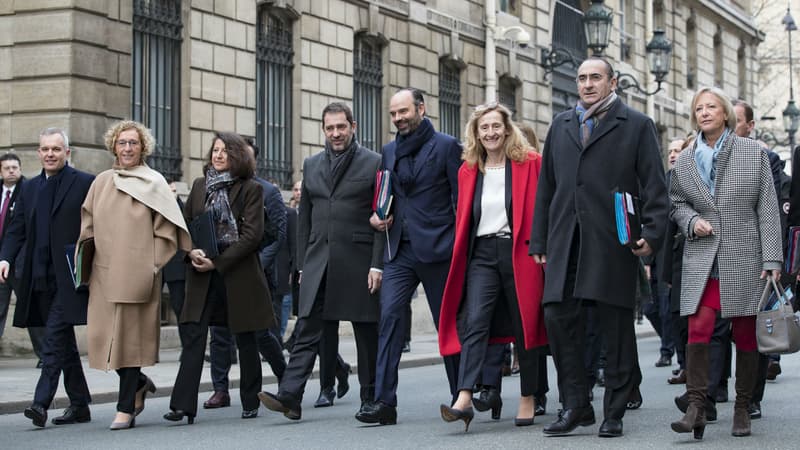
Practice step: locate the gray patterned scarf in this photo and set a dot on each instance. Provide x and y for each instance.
(217, 187)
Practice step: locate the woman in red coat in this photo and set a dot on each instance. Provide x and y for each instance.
(493, 282)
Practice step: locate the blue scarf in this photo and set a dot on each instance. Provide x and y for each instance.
(706, 158)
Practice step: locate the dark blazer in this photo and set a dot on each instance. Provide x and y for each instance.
(335, 240)
(576, 189)
(245, 284)
(285, 259)
(274, 207)
(9, 216)
(428, 209)
(65, 223)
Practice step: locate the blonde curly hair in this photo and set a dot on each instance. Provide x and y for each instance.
(516, 146)
(145, 137)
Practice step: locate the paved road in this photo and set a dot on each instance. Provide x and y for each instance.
(421, 391)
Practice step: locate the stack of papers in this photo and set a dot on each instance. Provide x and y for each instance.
(629, 225)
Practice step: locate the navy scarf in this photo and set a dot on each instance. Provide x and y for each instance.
(43, 208)
(407, 148)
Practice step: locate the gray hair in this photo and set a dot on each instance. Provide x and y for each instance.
(54, 130)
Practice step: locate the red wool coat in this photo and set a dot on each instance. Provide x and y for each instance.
(529, 276)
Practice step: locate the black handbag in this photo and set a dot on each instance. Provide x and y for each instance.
(777, 328)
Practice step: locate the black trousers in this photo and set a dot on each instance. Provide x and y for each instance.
(131, 380)
(719, 358)
(566, 325)
(330, 361)
(177, 292)
(187, 382)
(489, 281)
(59, 354)
(680, 336)
(310, 330)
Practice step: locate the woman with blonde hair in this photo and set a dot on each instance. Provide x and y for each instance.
(493, 282)
(724, 203)
(131, 218)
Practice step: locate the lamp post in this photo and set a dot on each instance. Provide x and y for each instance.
(659, 52)
(791, 115)
(597, 26)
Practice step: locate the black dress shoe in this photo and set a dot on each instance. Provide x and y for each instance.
(342, 376)
(406, 347)
(176, 415)
(773, 370)
(290, 407)
(39, 364)
(451, 415)
(73, 414)
(378, 412)
(489, 399)
(635, 399)
(610, 428)
(249, 413)
(326, 396)
(37, 414)
(541, 406)
(219, 399)
(722, 394)
(664, 361)
(755, 410)
(570, 419)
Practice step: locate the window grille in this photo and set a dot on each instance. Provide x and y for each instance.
(450, 100)
(367, 89)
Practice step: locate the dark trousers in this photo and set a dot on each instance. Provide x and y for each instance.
(130, 381)
(566, 323)
(490, 281)
(492, 370)
(718, 356)
(59, 354)
(761, 378)
(657, 312)
(595, 356)
(400, 279)
(222, 353)
(187, 383)
(177, 292)
(680, 336)
(5, 300)
(330, 361)
(310, 330)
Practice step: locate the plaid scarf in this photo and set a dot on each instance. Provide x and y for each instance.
(217, 187)
(589, 117)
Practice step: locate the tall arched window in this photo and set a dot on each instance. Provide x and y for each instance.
(274, 54)
(507, 94)
(156, 79)
(450, 99)
(367, 90)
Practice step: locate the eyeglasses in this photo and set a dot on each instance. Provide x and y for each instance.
(123, 144)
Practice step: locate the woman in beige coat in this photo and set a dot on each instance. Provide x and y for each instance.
(135, 224)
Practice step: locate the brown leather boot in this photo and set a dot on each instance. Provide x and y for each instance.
(746, 368)
(696, 386)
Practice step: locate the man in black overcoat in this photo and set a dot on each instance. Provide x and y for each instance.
(592, 151)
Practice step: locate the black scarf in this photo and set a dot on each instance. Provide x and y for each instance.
(338, 162)
(42, 210)
(407, 148)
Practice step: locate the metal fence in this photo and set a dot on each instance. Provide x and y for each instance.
(450, 100)
(367, 88)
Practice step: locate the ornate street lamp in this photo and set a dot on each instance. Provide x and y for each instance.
(659, 55)
(791, 115)
(597, 25)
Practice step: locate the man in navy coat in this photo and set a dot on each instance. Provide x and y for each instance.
(45, 228)
(423, 164)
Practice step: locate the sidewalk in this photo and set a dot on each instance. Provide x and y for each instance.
(18, 375)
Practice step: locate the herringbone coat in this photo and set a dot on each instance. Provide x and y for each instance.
(746, 222)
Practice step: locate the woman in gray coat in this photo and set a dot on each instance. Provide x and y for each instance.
(723, 201)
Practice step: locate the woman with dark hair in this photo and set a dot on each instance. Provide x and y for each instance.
(136, 226)
(493, 282)
(229, 289)
(724, 203)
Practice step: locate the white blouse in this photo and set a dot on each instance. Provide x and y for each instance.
(493, 203)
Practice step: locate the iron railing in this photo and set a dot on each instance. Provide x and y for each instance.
(450, 100)
(367, 91)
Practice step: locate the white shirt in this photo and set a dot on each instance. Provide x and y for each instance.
(493, 203)
(3, 198)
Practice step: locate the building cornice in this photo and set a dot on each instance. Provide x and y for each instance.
(728, 12)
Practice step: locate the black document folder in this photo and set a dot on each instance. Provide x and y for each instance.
(204, 235)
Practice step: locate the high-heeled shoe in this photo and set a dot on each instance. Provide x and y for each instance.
(130, 423)
(489, 399)
(176, 415)
(451, 415)
(249, 413)
(150, 387)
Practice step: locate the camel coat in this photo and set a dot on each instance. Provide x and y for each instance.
(132, 243)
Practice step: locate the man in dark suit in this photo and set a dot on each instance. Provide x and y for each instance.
(423, 164)
(335, 246)
(222, 350)
(45, 228)
(600, 146)
(11, 172)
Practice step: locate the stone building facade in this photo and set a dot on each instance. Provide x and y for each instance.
(267, 68)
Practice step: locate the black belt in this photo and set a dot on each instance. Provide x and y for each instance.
(504, 235)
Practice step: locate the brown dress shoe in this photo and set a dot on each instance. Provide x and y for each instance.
(679, 378)
(218, 399)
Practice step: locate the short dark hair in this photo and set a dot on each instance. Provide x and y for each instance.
(10, 157)
(416, 94)
(609, 67)
(748, 110)
(335, 108)
(241, 164)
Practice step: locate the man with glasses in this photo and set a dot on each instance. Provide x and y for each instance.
(45, 228)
